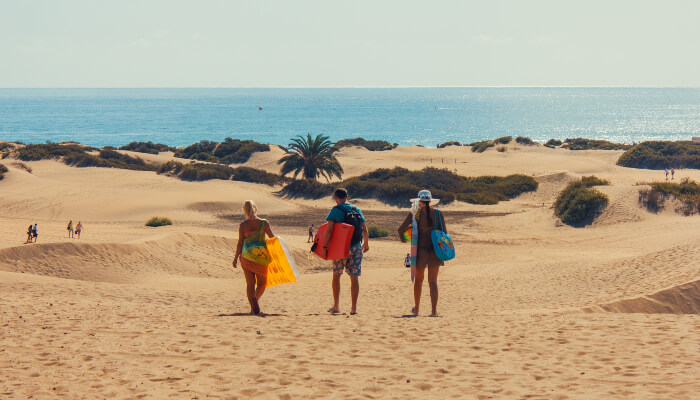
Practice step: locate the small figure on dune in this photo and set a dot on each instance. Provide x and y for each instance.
(311, 233)
(673, 172)
(407, 264)
(253, 254)
(78, 229)
(35, 233)
(29, 234)
(69, 228)
(666, 169)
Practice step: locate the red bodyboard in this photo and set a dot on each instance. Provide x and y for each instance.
(339, 245)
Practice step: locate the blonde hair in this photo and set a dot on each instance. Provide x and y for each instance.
(250, 209)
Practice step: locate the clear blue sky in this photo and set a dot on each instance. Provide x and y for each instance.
(328, 43)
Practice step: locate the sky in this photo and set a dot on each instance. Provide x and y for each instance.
(309, 43)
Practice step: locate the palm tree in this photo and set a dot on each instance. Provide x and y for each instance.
(313, 157)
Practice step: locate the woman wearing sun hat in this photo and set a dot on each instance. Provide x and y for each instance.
(421, 221)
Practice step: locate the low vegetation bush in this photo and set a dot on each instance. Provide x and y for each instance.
(592, 144)
(578, 203)
(307, 189)
(5, 146)
(377, 232)
(552, 143)
(3, 170)
(660, 155)
(159, 221)
(503, 140)
(480, 147)
(147, 147)
(371, 145)
(21, 165)
(230, 151)
(397, 185)
(686, 193)
(443, 145)
(501, 149)
(525, 141)
(203, 172)
(49, 151)
(108, 159)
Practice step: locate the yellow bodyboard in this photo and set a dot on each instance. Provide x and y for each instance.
(283, 268)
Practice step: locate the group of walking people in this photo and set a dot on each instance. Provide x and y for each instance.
(33, 235)
(422, 218)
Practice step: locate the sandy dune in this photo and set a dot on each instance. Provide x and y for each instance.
(530, 308)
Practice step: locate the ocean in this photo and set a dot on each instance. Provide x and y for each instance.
(425, 116)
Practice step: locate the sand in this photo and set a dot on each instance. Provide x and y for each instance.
(530, 308)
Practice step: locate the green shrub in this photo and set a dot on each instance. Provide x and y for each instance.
(592, 144)
(3, 170)
(687, 193)
(590, 181)
(49, 151)
(525, 141)
(443, 145)
(371, 145)
(159, 221)
(480, 147)
(578, 203)
(203, 172)
(230, 151)
(377, 232)
(660, 155)
(307, 189)
(501, 149)
(108, 159)
(147, 147)
(5, 146)
(503, 140)
(554, 142)
(397, 185)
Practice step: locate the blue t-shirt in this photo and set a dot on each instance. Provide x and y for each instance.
(337, 216)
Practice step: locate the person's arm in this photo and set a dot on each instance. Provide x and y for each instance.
(365, 236)
(239, 246)
(327, 238)
(268, 230)
(404, 226)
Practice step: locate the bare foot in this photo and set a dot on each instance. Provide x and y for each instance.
(333, 310)
(433, 315)
(414, 312)
(256, 307)
(353, 312)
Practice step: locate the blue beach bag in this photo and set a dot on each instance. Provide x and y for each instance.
(442, 242)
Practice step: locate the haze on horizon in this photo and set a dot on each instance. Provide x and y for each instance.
(310, 43)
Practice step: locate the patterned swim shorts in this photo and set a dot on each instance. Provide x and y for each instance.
(352, 264)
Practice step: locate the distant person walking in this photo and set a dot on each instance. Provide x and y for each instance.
(78, 229)
(35, 232)
(673, 172)
(69, 228)
(346, 213)
(29, 234)
(421, 219)
(407, 264)
(311, 233)
(666, 169)
(251, 231)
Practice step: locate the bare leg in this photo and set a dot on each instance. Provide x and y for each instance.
(336, 293)
(432, 282)
(354, 292)
(250, 287)
(262, 281)
(418, 287)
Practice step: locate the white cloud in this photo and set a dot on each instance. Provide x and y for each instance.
(491, 39)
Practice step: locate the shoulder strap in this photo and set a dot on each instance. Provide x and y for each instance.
(342, 209)
(437, 218)
(262, 225)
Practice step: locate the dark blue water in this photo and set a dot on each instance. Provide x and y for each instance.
(424, 116)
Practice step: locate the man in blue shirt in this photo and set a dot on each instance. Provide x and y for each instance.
(359, 244)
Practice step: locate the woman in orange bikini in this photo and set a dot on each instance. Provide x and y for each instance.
(253, 229)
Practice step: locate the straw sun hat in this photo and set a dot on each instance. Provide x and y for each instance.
(424, 195)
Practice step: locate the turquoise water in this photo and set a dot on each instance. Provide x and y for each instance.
(426, 116)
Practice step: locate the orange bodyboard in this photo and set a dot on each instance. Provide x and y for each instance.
(339, 246)
(282, 268)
